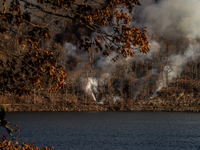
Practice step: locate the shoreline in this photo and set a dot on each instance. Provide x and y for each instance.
(105, 108)
(127, 105)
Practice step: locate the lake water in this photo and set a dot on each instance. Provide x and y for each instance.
(109, 130)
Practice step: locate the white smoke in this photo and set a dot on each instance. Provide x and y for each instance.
(154, 49)
(91, 87)
(115, 98)
(176, 65)
(92, 84)
(106, 62)
(103, 80)
(170, 18)
(70, 49)
(108, 65)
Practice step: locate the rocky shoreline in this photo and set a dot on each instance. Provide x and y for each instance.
(156, 105)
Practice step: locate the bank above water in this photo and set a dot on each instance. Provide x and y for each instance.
(158, 105)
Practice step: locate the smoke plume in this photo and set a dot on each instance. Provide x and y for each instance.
(166, 21)
(176, 65)
(170, 18)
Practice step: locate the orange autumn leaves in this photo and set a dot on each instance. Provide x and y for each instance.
(37, 66)
(123, 35)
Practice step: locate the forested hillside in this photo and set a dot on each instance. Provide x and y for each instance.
(169, 71)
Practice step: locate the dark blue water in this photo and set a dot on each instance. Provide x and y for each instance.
(109, 130)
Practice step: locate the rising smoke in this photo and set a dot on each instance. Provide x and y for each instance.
(176, 65)
(92, 87)
(170, 20)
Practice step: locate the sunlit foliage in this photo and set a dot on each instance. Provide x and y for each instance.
(38, 66)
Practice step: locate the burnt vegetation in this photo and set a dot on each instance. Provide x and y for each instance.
(36, 67)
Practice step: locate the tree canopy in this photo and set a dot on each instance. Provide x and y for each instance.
(111, 20)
